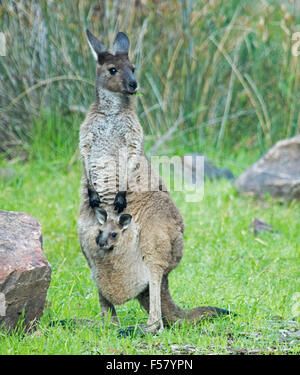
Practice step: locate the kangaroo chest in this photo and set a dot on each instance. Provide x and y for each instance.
(115, 141)
(109, 134)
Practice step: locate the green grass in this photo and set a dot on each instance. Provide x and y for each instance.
(224, 265)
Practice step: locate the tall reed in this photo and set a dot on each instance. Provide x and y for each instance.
(211, 73)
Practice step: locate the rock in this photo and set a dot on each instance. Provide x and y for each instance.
(24, 270)
(213, 173)
(277, 172)
(210, 170)
(259, 226)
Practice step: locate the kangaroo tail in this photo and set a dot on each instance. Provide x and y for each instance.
(172, 313)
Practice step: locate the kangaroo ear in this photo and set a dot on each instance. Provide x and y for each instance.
(121, 43)
(101, 215)
(124, 220)
(95, 45)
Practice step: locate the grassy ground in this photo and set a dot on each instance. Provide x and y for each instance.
(224, 265)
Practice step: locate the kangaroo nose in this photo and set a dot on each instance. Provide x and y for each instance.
(100, 242)
(132, 85)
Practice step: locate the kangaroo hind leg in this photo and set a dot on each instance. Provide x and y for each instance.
(150, 300)
(154, 322)
(106, 308)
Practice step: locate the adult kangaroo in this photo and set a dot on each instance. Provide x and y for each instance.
(152, 245)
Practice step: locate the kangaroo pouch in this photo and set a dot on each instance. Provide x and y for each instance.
(121, 274)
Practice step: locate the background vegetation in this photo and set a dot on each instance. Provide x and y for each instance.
(216, 77)
(217, 73)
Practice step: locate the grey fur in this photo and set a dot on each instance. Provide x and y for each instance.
(121, 43)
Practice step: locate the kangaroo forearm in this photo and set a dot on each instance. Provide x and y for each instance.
(111, 180)
(104, 181)
(106, 191)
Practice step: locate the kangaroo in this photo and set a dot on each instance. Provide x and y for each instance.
(111, 123)
(139, 264)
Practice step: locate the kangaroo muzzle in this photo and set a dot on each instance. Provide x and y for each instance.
(129, 82)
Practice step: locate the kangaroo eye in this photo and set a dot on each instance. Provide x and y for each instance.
(114, 235)
(112, 71)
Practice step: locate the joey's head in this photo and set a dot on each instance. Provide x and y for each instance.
(115, 72)
(110, 230)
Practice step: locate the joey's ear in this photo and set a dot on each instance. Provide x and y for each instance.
(121, 43)
(124, 220)
(95, 45)
(101, 215)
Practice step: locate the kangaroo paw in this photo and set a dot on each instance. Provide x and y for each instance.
(120, 202)
(93, 199)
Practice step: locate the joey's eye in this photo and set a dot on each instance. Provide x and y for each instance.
(112, 71)
(114, 235)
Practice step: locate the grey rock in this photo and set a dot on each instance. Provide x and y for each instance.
(277, 172)
(259, 226)
(211, 172)
(24, 270)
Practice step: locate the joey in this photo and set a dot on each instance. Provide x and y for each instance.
(110, 230)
